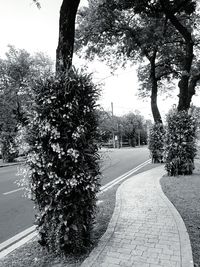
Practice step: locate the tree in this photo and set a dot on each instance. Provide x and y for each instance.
(64, 163)
(64, 52)
(134, 128)
(183, 15)
(181, 130)
(108, 28)
(105, 125)
(8, 129)
(17, 73)
(131, 127)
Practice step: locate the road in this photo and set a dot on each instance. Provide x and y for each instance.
(16, 212)
(115, 162)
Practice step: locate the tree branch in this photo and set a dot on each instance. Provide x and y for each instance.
(181, 28)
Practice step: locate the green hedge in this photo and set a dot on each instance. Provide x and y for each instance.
(63, 161)
(180, 145)
(156, 142)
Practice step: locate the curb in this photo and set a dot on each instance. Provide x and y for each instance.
(185, 245)
(96, 252)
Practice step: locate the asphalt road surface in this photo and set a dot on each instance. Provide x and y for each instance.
(16, 212)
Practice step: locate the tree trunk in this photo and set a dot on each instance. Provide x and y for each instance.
(154, 91)
(154, 107)
(64, 52)
(184, 95)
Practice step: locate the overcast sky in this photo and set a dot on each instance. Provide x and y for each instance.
(23, 25)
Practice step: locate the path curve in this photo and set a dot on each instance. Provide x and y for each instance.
(145, 230)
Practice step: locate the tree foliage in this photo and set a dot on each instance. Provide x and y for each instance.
(63, 161)
(131, 128)
(105, 125)
(156, 143)
(183, 17)
(64, 166)
(134, 128)
(162, 32)
(180, 146)
(17, 72)
(108, 27)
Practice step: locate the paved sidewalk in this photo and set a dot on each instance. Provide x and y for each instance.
(145, 230)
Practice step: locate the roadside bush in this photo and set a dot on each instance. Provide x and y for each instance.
(8, 131)
(63, 160)
(180, 143)
(156, 142)
(8, 146)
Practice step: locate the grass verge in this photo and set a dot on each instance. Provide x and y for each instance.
(184, 193)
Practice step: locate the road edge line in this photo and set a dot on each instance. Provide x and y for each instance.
(122, 177)
(16, 238)
(18, 244)
(12, 191)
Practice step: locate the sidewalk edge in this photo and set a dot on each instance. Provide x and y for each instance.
(96, 252)
(186, 250)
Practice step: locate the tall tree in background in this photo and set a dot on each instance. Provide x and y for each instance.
(180, 138)
(172, 41)
(107, 28)
(17, 72)
(183, 16)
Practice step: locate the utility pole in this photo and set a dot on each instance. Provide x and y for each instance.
(138, 131)
(139, 138)
(113, 134)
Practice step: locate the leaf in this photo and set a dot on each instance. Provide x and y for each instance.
(74, 227)
(66, 238)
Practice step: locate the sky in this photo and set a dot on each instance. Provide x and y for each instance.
(25, 26)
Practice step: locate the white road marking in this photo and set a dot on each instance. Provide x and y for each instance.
(17, 237)
(13, 191)
(14, 246)
(26, 235)
(122, 177)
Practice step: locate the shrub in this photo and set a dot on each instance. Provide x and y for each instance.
(180, 143)
(156, 142)
(63, 161)
(8, 146)
(8, 131)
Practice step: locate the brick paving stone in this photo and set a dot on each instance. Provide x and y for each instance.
(165, 257)
(112, 260)
(141, 265)
(169, 263)
(125, 257)
(125, 263)
(145, 228)
(155, 265)
(112, 254)
(113, 265)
